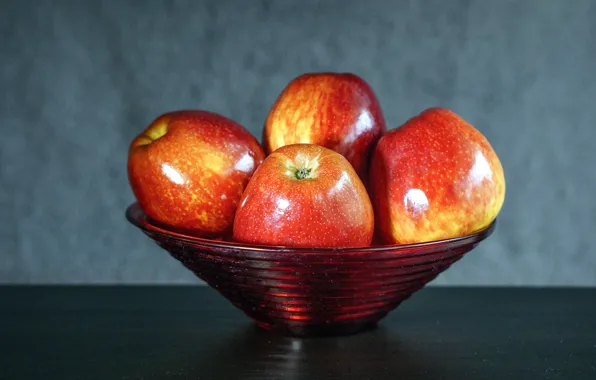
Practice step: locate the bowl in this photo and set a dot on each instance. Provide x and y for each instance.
(310, 292)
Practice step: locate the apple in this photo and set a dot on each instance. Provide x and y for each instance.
(435, 177)
(305, 195)
(188, 170)
(338, 111)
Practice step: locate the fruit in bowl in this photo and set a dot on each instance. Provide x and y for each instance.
(304, 195)
(301, 219)
(188, 170)
(435, 177)
(338, 111)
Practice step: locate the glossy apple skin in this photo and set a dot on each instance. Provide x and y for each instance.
(188, 170)
(336, 110)
(435, 177)
(329, 209)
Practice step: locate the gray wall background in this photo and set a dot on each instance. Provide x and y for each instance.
(79, 79)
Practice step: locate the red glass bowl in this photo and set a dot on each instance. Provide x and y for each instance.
(307, 292)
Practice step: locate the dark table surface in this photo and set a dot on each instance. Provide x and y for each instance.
(193, 333)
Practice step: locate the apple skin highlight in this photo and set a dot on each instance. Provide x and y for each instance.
(188, 170)
(338, 111)
(305, 195)
(435, 177)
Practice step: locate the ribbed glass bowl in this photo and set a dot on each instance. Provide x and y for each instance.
(307, 292)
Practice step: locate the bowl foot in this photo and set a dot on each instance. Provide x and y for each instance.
(318, 330)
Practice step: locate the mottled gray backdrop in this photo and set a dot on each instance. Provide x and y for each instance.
(79, 79)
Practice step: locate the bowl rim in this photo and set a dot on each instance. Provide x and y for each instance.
(136, 216)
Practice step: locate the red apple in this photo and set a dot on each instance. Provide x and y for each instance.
(435, 177)
(188, 170)
(305, 195)
(336, 110)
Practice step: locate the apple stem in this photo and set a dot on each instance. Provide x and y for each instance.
(302, 173)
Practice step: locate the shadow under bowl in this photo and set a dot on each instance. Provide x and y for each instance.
(310, 292)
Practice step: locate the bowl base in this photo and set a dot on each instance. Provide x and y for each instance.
(318, 330)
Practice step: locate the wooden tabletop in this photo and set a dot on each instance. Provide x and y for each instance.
(193, 333)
